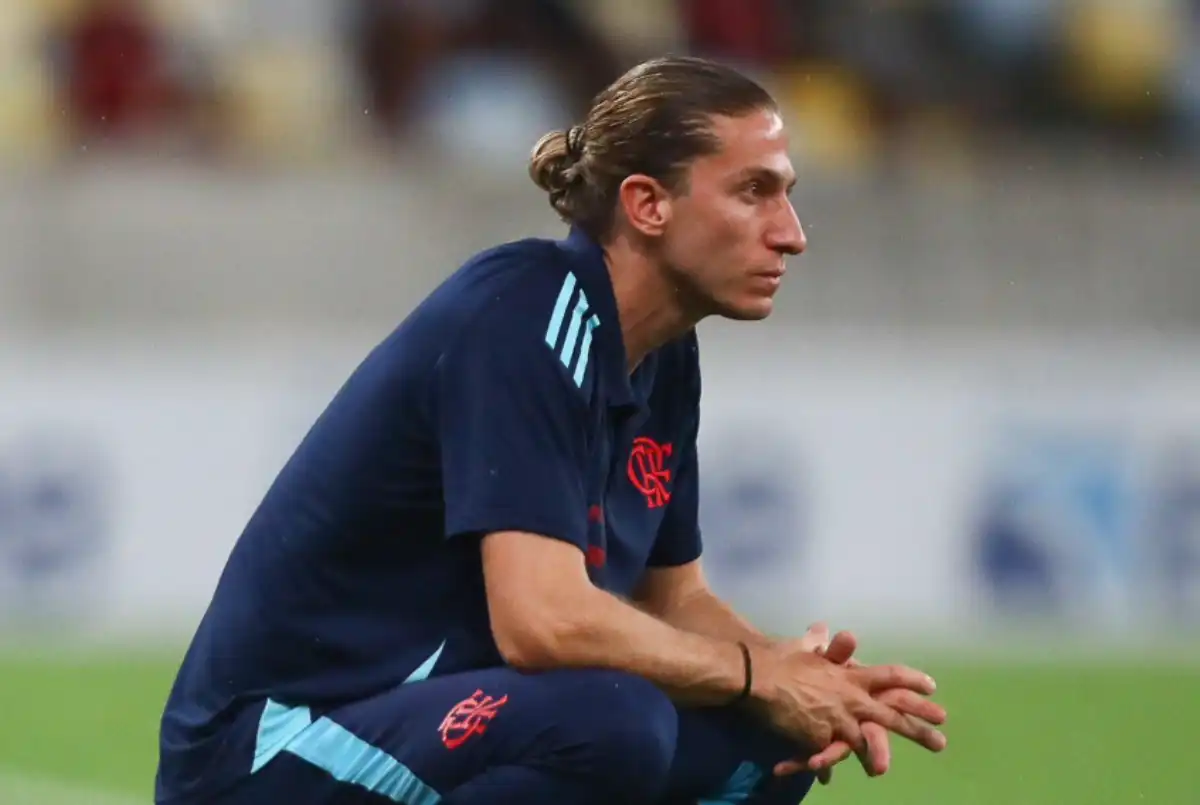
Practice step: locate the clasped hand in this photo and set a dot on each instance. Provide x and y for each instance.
(816, 693)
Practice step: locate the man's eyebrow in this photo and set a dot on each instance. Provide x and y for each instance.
(786, 180)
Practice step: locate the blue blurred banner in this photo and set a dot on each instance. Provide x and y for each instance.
(56, 501)
(1174, 534)
(1055, 536)
(752, 504)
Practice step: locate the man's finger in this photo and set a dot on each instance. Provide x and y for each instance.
(913, 704)
(789, 767)
(829, 757)
(849, 731)
(841, 648)
(877, 678)
(878, 756)
(876, 760)
(864, 757)
(879, 748)
(914, 729)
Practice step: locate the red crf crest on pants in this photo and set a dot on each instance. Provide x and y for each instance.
(469, 717)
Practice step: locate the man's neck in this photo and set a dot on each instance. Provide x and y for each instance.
(652, 308)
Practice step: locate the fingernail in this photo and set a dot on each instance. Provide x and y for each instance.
(930, 681)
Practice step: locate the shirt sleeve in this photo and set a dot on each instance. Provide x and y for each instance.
(513, 429)
(679, 540)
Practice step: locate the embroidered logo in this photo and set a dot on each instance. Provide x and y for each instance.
(647, 470)
(469, 717)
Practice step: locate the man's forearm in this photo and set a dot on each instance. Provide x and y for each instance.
(692, 667)
(565, 621)
(703, 613)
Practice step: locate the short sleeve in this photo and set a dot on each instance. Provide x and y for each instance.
(679, 541)
(513, 431)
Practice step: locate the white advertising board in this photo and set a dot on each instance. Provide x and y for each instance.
(932, 488)
(946, 488)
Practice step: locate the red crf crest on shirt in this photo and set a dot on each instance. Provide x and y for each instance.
(647, 470)
(469, 717)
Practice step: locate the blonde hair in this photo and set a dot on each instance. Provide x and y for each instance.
(654, 120)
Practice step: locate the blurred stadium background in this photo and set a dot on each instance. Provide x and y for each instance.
(971, 432)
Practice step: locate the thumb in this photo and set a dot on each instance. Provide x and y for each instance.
(841, 648)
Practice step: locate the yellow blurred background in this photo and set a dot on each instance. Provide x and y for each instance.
(308, 81)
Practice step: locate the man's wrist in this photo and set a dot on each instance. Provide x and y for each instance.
(762, 687)
(747, 674)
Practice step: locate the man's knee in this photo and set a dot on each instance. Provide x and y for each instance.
(620, 730)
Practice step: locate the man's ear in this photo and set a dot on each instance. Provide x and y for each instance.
(646, 204)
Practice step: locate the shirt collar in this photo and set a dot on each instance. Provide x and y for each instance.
(588, 257)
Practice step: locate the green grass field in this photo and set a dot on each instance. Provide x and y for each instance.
(1064, 734)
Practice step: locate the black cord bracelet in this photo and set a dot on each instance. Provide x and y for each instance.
(745, 694)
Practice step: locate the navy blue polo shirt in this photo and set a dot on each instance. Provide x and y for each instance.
(503, 402)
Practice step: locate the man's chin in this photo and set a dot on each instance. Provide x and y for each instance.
(757, 310)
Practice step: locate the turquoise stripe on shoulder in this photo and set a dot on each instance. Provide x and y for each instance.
(560, 310)
(426, 668)
(349, 759)
(585, 350)
(278, 726)
(572, 339)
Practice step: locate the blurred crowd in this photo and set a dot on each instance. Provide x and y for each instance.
(296, 79)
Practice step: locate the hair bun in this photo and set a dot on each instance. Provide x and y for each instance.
(575, 142)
